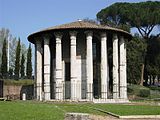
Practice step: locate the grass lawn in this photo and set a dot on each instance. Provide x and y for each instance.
(122, 109)
(30, 110)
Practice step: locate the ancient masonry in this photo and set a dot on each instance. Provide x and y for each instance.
(72, 63)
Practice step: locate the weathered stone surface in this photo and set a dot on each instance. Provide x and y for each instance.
(123, 79)
(58, 67)
(16, 91)
(89, 65)
(38, 70)
(73, 65)
(46, 69)
(115, 68)
(24, 96)
(77, 116)
(104, 66)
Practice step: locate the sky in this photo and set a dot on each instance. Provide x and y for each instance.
(23, 17)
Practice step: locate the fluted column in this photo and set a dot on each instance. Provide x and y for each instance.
(74, 82)
(47, 59)
(104, 65)
(89, 64)
(58, 67)
(38, 69)
(123, 79)
(115, 68)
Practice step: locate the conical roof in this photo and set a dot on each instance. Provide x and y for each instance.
(78, 25)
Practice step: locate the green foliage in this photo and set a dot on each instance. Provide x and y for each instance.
(135, 57)
(144, 93)
(143, 15)
(154, 88)
(10, 73)
(17, 61)
(29, 63)
(18, 82)
(153, 56)
(22, 70)
(5, 34)
(4, 60)
(138, 92)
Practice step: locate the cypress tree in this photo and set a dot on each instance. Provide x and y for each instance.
(4, 60)
(17, 61)
(29, 63)
(10, 73)
(22, 66)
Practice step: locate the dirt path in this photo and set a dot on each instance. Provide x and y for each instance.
(98, 117)
(108, 117)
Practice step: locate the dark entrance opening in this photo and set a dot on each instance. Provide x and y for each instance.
(96, 69)
(67, 80)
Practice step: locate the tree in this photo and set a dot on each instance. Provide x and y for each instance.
(152, 59)
(144, 16)
(17, 61)
(135, 50)
(10, 73)
(22, 66)
(4, 33)
(29, 63)
(4, 60)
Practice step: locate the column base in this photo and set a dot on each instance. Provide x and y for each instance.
(89, 94)
(59, 91)
(104, 93)
(93, 100)
(110, 100)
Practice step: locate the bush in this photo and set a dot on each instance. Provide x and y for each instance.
(130, 90)
(18, 82)
(154, 88)
(144, 93)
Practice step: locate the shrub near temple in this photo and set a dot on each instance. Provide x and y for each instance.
(144, 93)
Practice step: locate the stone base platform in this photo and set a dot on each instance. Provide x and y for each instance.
(110, 100)
(93, 100)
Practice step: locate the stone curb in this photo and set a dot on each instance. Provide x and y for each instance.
(140, 117)
(130, 116)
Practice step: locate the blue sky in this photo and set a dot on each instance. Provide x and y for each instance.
(23, 17)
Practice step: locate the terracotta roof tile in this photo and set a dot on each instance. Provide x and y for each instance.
(79, 25)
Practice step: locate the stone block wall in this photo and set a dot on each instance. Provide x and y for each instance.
(15, 91)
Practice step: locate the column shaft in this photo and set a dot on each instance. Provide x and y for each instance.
(74, 83)
(58, 64)
(89, 64)
(38, 70)
(123, 81)
(104, 65)
(47, 59)
(115, 68)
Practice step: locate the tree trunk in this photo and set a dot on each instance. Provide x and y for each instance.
(150, 80)
(153, 80)
(142, 73)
